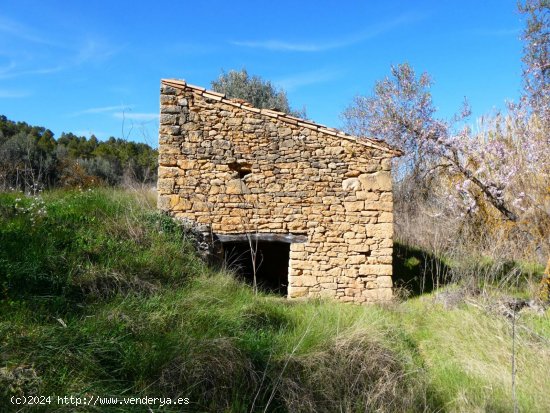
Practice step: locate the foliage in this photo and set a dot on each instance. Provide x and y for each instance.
(32, 159)
(536, 56)
(469, 188)
(254, 90)
(401, 111)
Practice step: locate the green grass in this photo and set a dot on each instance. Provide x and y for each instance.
(103, 296)
(65, 244)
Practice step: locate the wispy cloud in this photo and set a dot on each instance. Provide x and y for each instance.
(123, 112)
(13, 94)
(40, 71)
(102, 109)
(93, 50)
(32, 53)
(279, 45)
(319, 46)
(7, 68)
(136, 116)
(298, 80)
(23, 32)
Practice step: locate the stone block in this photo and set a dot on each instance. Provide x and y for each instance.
(378, 181)
(236, 187)
(300, 179)
(386, 217)
(297, 292)
(300, 255)
(367, 196)
(363, 248)
(356, 259)
(375, 269)
(351, 184)
(354, 206)
(384, 281)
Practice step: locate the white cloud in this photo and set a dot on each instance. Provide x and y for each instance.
(286, 46)
(102, 109)
(307, 78)
(7, 68)
(42, 71)
(93, 50)
(28, 34)
(376, 30)
(33, 53)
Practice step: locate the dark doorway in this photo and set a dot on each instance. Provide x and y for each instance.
(272, 259)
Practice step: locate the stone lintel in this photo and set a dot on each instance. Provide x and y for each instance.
(263, 236)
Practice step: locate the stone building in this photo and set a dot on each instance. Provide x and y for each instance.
(313, 203)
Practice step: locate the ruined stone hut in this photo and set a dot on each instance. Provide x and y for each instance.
(315, 203)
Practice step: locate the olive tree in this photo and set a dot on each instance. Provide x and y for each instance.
(253, 89)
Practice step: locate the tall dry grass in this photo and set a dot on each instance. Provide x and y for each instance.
(474, 249)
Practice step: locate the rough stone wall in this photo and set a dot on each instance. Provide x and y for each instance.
(237, 169)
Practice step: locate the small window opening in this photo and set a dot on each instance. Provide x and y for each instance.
(271, 264)
(241, 167)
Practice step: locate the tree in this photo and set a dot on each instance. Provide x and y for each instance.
(536, 56)
(32, 159)
(401, 112)
(253, 89)
(494, 161)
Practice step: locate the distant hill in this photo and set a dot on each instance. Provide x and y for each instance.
(31, 158)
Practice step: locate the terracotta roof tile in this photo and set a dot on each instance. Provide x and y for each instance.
(330, 132)
(294, 117)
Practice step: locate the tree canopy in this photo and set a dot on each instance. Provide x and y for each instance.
(536, 56)
(491, 165)
(32, 159)
(258, 92)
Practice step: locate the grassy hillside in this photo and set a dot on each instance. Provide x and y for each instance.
(103, 296)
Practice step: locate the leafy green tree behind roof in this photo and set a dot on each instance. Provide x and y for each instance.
(258, 92)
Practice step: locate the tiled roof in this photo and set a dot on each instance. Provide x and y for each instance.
(209, 94)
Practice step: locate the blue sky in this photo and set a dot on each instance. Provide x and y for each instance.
(95, 67)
